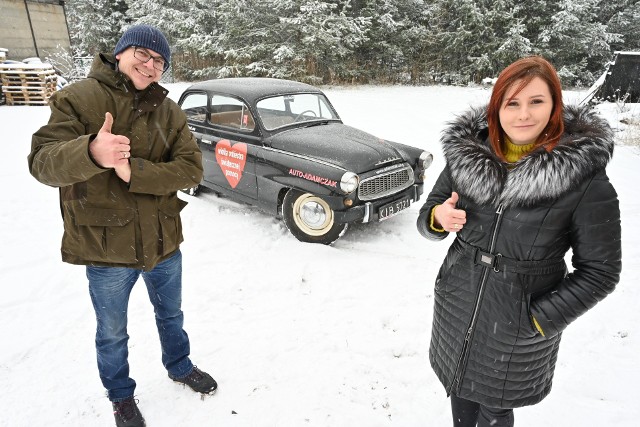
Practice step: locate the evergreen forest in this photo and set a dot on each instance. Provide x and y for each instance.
(367, 41)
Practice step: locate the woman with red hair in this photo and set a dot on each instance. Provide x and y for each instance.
(524, 183)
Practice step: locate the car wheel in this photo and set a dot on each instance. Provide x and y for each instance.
(310, 219)
(193, 191)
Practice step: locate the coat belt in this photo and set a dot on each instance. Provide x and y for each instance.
(500, 262)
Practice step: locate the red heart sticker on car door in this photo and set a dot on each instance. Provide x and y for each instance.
(231, 160)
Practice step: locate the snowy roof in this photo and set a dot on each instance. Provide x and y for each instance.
(25, 66)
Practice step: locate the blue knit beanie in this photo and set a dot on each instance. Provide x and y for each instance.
(148, 37)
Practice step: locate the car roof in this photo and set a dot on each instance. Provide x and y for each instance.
(253, 88)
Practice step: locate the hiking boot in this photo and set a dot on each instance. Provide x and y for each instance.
(198, 381)
(127, 413)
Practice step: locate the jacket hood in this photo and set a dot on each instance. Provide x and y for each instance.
(584, 149)
(104, 69)
(338, 144)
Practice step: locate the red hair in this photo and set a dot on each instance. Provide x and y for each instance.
(522, 72)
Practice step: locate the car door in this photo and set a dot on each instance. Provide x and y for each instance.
(230, 145)
(229, 140)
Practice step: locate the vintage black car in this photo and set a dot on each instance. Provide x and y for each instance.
(281, 146)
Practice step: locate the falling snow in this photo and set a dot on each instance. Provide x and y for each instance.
(296, 334)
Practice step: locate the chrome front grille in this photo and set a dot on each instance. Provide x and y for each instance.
(385, 183)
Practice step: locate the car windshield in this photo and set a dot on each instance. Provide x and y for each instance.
(283, 110)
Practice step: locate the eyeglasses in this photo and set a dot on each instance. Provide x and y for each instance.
(143, 56)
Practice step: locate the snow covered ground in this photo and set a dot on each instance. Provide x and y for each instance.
(296, 334)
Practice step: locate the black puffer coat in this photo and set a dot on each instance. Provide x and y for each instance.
(506, 264)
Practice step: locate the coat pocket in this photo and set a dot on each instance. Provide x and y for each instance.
(102, 235)
(528, 329)
(171, 225)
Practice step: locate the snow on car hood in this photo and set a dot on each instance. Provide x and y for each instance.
(339, 144)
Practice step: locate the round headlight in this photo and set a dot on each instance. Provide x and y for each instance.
(426, 158)
(349, 182)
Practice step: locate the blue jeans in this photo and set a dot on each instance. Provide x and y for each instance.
(110, 288)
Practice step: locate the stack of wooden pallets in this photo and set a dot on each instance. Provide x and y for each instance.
(28, 84)
(3, 57)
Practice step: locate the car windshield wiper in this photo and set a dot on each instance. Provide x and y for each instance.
(318, 122)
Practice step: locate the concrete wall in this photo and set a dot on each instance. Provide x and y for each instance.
(33, 28)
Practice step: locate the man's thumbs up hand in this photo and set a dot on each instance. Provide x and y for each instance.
(109, 150)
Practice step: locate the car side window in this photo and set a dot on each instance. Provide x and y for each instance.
(231, 112)
(194, 106)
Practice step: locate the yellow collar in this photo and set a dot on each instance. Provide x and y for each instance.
(514, 152)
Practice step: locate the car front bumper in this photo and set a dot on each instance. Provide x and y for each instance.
(369, 211)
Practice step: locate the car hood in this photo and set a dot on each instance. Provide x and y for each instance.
(338, 144)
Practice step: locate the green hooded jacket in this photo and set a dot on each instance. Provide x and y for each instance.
(108, 222)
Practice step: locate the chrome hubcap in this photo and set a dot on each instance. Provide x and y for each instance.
(313, 214)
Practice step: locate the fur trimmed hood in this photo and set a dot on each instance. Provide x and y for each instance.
(584, 149)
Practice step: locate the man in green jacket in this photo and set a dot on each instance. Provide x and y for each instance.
(119, 151)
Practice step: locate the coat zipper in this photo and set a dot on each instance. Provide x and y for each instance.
(464, 354)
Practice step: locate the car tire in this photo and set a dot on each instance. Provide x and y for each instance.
(310, 219)
(193, 191)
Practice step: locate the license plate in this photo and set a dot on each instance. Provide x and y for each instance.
(390, 209)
